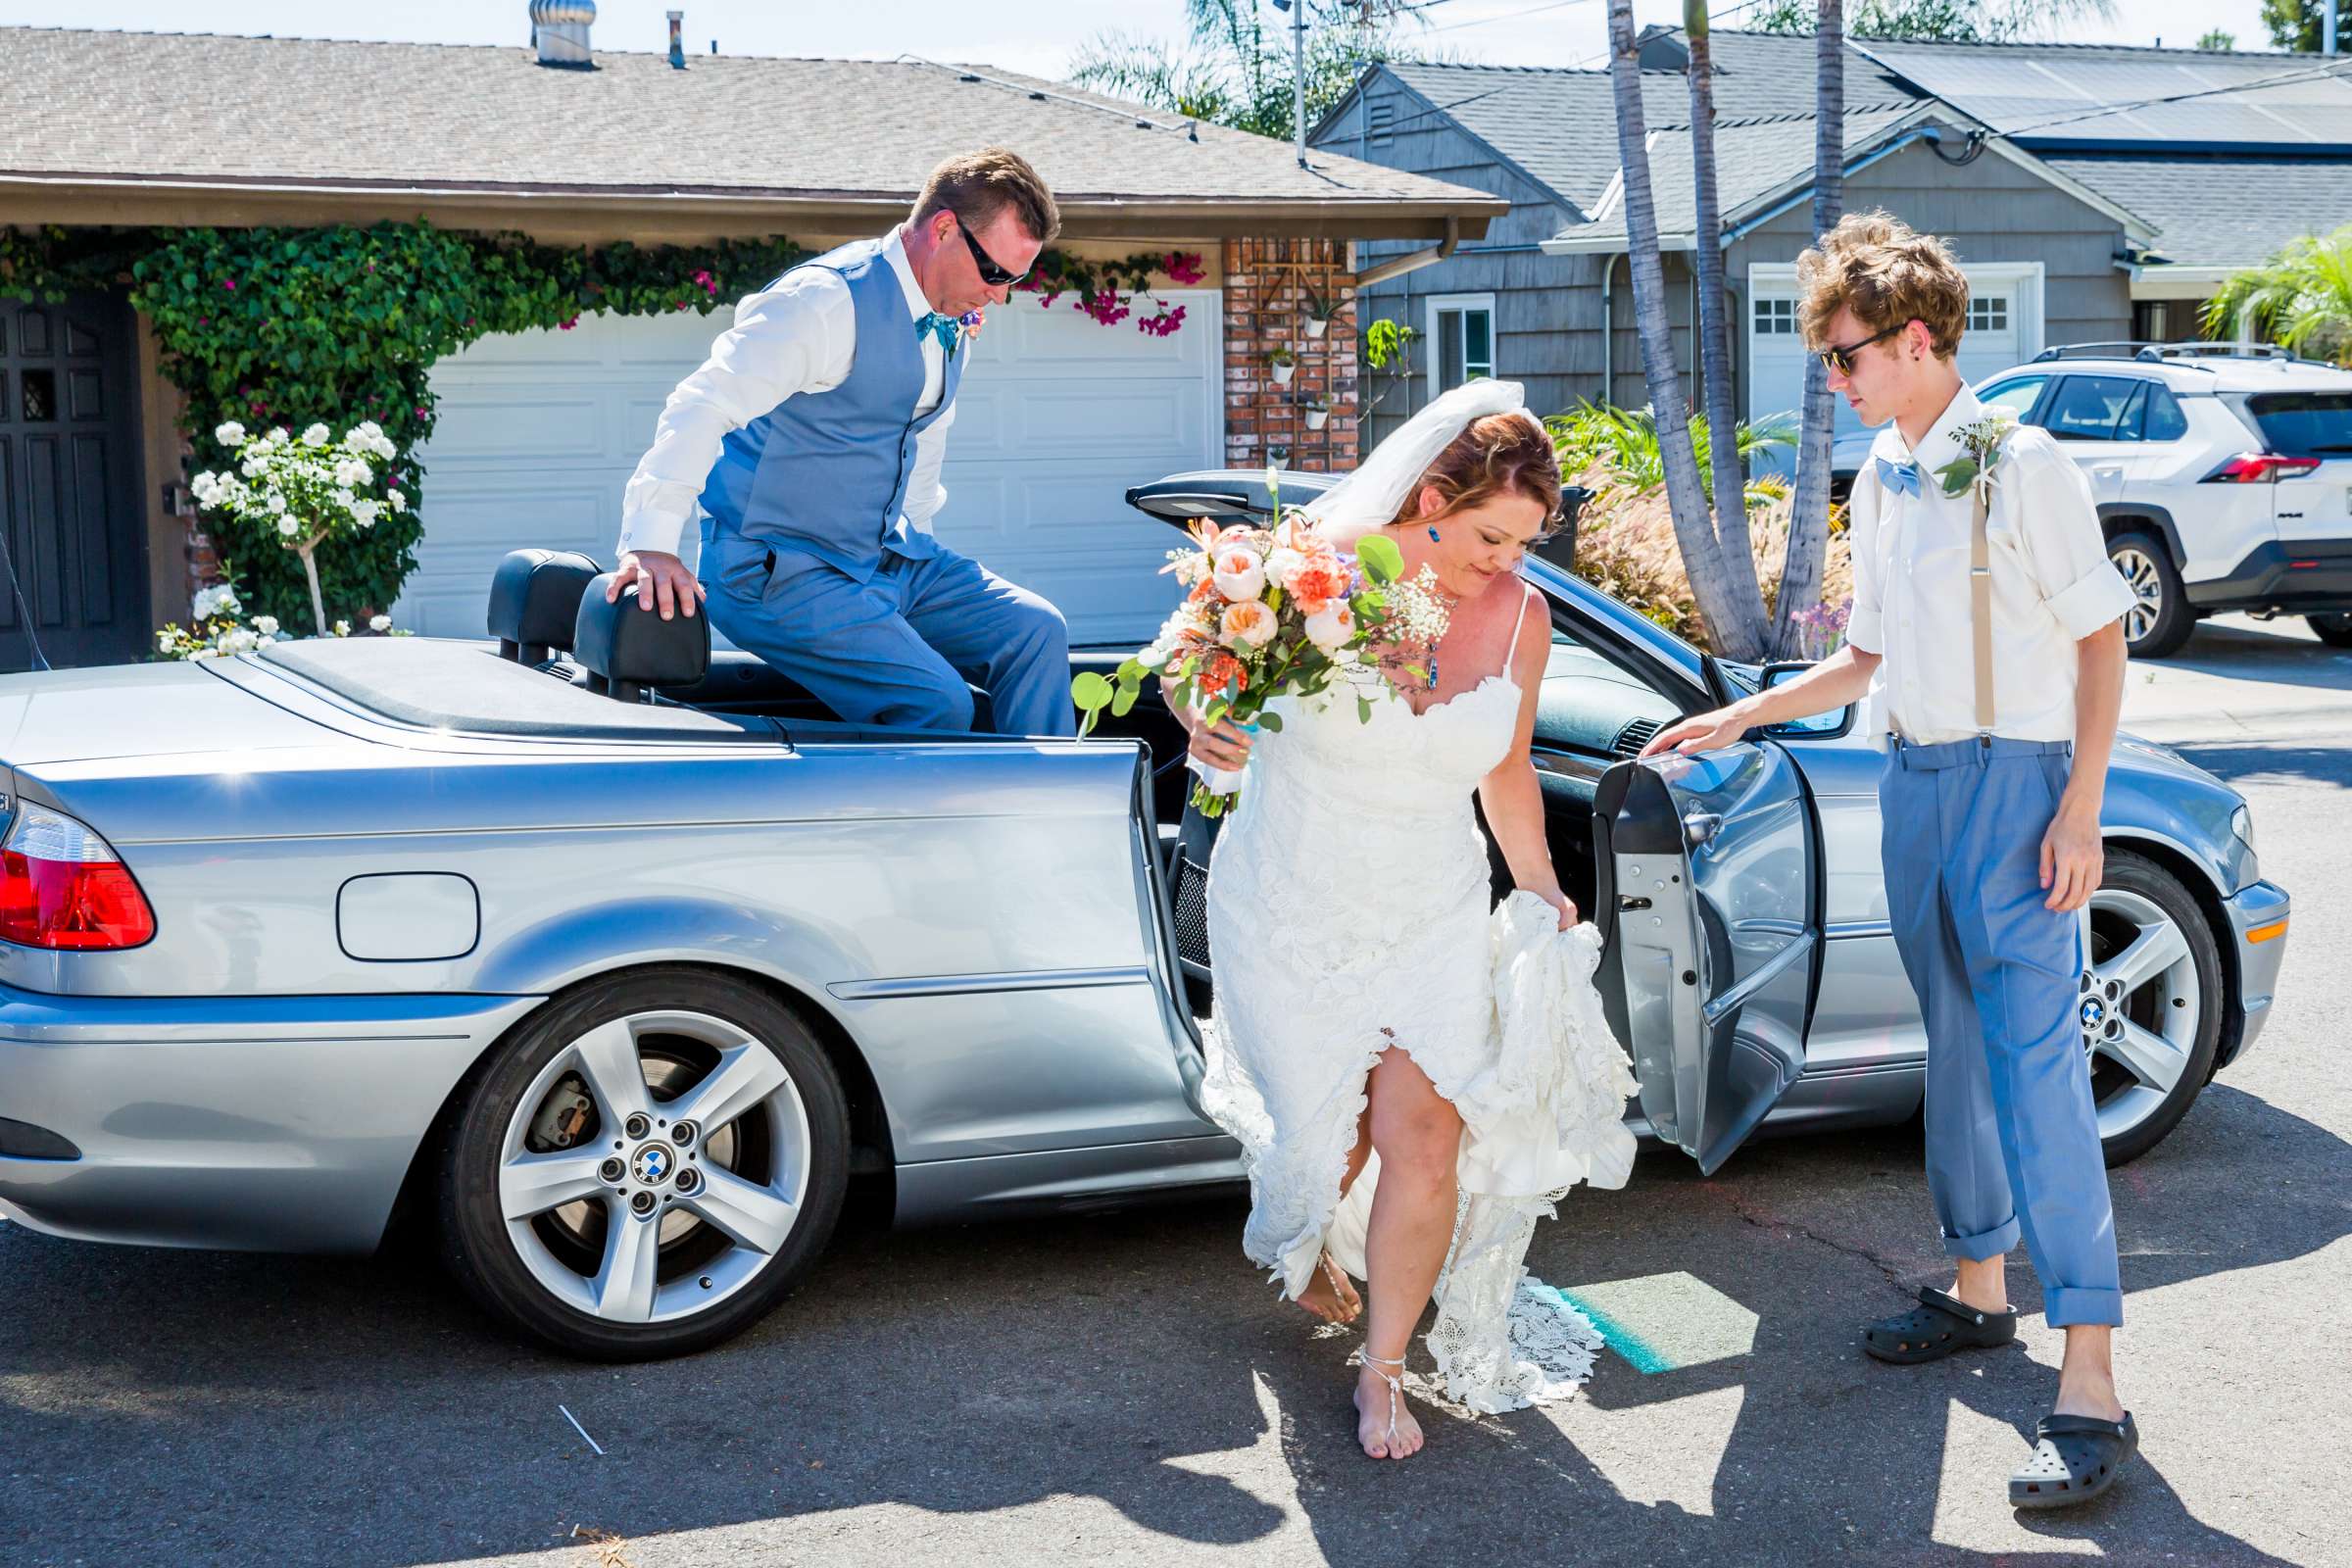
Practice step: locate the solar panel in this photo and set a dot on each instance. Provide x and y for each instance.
(2054, 94)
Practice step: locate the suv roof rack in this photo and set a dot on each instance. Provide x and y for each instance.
(2157, 353)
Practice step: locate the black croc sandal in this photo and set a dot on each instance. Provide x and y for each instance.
(1938, 1326)
(2076, 1457)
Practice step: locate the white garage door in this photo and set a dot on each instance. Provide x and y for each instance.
(2004, 326)
(539, 431)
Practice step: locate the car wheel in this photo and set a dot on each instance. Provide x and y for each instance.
(2333, 630)
(2149, 1005)
(2159, 621)
(645, 1167)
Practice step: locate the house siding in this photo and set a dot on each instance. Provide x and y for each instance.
(1989, 210)
(1549, 309)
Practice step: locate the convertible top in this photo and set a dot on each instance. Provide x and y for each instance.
(442, 683)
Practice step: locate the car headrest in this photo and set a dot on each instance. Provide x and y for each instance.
(535, 601)
(625, 649)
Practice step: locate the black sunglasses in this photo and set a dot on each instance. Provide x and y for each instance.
(990, 274)
(1841, 359)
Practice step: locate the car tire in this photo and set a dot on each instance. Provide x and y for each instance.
(2176, 1006)
(737, 1204)
(2160, 619)
(2335, 630)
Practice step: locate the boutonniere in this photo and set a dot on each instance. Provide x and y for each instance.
(1984, 443)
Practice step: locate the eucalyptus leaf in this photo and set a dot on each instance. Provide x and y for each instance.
(1272, 721)
(1380, 558)
(1957, 476)
(1090, 691)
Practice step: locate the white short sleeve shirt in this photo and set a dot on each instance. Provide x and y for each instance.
(2052, 585)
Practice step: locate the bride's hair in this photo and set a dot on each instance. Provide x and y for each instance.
(1502, 453)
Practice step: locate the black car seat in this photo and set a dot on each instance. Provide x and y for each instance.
(535, 603)
(629, 650)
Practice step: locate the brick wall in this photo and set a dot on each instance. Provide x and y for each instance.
(1265, 307)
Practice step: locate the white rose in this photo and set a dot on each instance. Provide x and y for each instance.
(278, 433)
(342, 629)
(252, 468)
(316, 435)
(400, 503)
(267, 625)
(231, 434)
(1282, 563)
(1327, 628)
(276, 504)
(383, 448)
(380, 623)
(289, 526)
(353, 472)
(1240, 574)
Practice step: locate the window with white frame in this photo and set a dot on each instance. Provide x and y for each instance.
(1989, 313)
(1461, 339)
(1776, 318)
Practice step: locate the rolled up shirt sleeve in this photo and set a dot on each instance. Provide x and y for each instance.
(2064, 549)
(1865, 626)
(795, 337)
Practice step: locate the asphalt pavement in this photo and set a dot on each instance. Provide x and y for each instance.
(1125, 1387)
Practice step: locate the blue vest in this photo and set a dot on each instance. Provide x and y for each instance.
(824, 474)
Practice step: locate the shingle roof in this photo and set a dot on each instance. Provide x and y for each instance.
(1558, 125)
(2221, 212)
(1752, 159)
(275, 113)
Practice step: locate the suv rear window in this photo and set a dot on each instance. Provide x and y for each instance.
(2304, 424)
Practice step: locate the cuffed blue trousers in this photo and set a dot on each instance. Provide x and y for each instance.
(898, 647)
(2013, 1135)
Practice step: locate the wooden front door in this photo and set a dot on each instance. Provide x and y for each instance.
(69, 485)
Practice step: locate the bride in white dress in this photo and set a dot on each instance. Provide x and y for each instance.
(1414, 1078)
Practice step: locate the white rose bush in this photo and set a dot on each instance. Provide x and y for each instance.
(307, 490)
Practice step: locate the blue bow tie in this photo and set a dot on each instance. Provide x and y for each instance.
(1900, 477)
(946, 328)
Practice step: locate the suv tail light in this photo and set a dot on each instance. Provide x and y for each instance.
(2260, 467)
(63, 886)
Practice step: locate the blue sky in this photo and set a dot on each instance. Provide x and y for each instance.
(1032, 35)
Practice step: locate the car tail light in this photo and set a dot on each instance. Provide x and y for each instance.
(62, 886)
(2260, 467)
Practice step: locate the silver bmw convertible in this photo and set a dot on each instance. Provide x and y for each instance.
(618, 962)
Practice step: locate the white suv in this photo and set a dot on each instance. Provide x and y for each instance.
(2223, 475)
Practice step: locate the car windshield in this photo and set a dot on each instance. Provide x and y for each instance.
(2304, 424)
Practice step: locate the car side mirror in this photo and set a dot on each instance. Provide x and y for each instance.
(1813, 727)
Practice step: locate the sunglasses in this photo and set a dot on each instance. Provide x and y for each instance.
(990, 274)
(1841, 359)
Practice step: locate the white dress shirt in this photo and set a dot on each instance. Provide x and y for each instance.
(800, 336)
(2052, 585)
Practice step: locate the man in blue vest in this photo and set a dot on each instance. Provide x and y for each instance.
(812, 438)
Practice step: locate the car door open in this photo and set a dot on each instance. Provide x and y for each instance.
(1710, 903)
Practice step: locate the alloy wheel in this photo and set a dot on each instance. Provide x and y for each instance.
(2139, 1006)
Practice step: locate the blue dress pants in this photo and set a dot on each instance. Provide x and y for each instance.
(2012, 1132)
(899, 647)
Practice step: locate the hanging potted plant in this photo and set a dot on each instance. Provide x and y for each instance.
(1278, 457)
(1285, 364)
(1319, 412)
(1320, 309)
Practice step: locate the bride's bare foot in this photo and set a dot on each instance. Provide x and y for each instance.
(1331, 1296)
(1383, 1422)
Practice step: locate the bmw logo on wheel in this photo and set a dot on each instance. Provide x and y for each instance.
(652, 1164)
(2095, 1013)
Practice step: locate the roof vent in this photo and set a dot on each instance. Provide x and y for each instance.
(560, 29)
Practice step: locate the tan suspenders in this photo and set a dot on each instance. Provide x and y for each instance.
(1979, 607)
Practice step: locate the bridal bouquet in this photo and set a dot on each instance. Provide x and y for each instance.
(1274, 610)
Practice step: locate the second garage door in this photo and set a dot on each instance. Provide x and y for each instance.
(538, 433)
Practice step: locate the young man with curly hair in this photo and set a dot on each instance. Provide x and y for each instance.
(1984, 597)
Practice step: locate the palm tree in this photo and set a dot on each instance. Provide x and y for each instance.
(1733, 626)
(1714, 331)
(1809, 513)
(2301, 297)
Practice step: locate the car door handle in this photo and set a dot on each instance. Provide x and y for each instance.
(1700, 827)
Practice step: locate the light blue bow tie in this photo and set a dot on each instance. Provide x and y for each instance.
(946, 328)
(1900, 477)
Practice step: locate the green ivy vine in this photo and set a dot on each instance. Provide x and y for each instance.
(285, 326)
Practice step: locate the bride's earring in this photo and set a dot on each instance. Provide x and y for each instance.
(1433, 533)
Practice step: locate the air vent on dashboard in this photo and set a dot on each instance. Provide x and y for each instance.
(1636, 735)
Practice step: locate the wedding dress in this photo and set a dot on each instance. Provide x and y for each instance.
(1349, 914)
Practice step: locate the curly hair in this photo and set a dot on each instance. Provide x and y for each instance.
(1500, 453)
(1887, 274)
